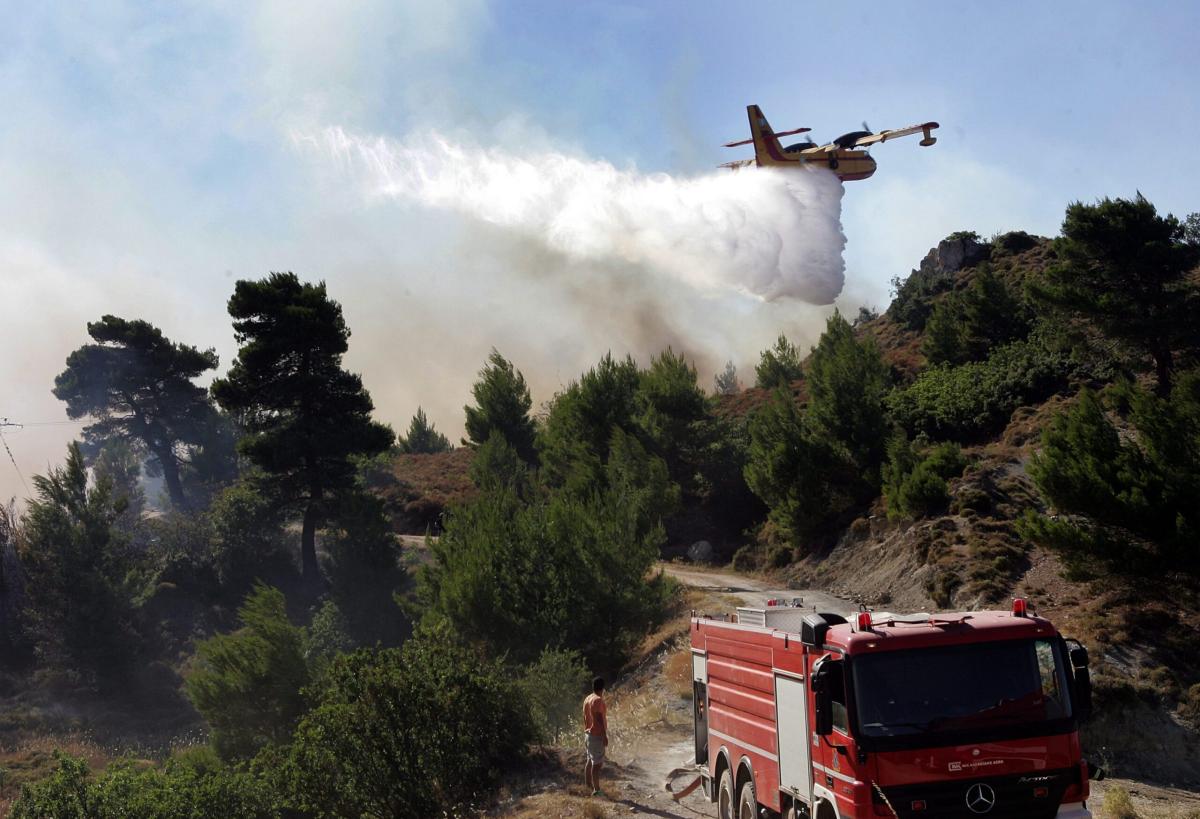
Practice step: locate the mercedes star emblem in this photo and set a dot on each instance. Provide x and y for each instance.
(980, 798)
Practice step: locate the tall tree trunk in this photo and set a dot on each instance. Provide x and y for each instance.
(170, 470)
(310, 571)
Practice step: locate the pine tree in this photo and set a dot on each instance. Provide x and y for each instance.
(302, 414)
(726, 381)
(137, 384)
(78, 574)
(1126, 269)
(502, 403)
(779, 366)
(968, 325)
(574, 444)
(672, 410)
(422, 438)
(791, 468)
(847, 382)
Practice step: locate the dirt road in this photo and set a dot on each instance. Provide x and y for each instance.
(754, 592)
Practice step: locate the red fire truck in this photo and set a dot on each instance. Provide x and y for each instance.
(802, 714)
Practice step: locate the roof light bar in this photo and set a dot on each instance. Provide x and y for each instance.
(864, 621)
(1020, 607)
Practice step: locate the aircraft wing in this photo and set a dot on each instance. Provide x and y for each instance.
(884, 136)
(777, 134)
(819, 149)
(741, 163)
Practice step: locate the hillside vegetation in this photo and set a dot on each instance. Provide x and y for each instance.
(1024, 418)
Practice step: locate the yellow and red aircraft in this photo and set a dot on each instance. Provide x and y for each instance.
(840, 156)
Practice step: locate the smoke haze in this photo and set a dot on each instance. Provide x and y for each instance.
(175, 171)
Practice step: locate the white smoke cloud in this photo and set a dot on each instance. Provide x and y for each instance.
(766, 233)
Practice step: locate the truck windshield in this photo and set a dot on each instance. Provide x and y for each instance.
(968, 688)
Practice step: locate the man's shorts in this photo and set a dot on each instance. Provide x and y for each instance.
(595, 747)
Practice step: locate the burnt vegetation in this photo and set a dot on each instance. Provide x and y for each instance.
(1021, 397)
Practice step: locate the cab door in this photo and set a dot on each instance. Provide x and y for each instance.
(831, 723)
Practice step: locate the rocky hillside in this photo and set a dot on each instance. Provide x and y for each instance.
(973, 554)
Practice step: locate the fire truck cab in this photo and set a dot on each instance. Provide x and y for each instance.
(974, 714)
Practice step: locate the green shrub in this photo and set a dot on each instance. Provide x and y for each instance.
(65, 794)
(184, 788)
(248, 538)
(552, 572)
(1013, 242)
(973, 400)
(247, 685)
(555, 684)
(923, 493)
(914, 296)
(780, 555)
(966, 325)
(942, 585)
(1190, 707)
(327, 635)
(971, 499)
(745, 559)
(916, 486)
(407, 733)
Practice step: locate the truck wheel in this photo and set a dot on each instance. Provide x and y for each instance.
(725, 796)
(748, 804)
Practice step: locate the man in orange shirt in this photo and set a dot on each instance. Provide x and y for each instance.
(595, 734)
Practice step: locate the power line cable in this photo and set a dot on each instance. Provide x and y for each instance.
(51, 423)
(4, 422)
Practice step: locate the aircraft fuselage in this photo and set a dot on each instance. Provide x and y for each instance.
(849, 165)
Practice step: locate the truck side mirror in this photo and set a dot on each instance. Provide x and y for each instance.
(1083, 693)
(822, 700)
(1082, 676)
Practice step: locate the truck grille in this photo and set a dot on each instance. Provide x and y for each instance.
(995, 797)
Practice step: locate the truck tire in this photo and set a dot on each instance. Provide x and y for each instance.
(726, 798)
(748, 801)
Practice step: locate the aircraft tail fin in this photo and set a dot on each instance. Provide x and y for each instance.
(766, 144)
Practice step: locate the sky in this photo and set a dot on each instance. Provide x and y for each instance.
(153, 154)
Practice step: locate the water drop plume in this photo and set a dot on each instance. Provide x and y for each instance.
(771, 234)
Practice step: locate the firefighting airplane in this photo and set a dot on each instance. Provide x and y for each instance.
(838, 156)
